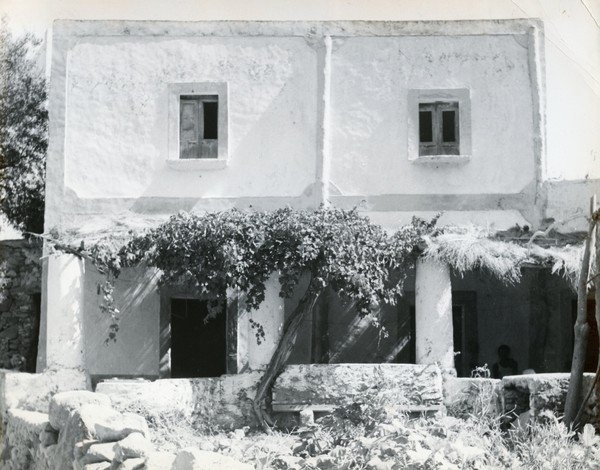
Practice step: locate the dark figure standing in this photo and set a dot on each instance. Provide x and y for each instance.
(506, 365)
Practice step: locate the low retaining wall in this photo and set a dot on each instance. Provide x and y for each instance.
(413, 386)
(224, 401)
(537, 393)
(46, 428)
(83, 431)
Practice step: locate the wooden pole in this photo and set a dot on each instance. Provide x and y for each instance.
(596, 277)
(581, 328)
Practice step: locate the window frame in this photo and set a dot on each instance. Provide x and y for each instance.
(439, 151)
(176, 92)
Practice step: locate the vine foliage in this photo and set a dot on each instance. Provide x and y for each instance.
(211, 253)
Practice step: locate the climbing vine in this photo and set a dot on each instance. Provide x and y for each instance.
(210, 253)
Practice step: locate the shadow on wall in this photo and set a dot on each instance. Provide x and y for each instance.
(135, 352)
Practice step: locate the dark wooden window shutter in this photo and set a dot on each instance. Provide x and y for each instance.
(439, 128)
(198, 126)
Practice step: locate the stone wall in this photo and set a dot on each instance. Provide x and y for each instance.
(113, 428)
(20, 286)
(83, 430)
(537, 394)
(226, 401)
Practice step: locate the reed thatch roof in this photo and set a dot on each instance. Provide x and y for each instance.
(470, 248)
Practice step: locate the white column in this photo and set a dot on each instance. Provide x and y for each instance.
(61, 335)
(270, 315)
(433, 311)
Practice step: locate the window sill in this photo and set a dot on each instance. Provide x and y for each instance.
(197, 164)
(441, 159)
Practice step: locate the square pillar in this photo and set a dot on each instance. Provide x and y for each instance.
(433, 314)
(270, 316)
(61, 344)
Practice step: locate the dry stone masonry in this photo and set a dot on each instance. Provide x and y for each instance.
(82, 430)
(20, 286)
(47, 425)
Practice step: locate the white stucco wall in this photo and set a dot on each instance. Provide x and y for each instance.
(136, 349)
(371, 77)
(252, 355)
(315, 111)
(117, 115)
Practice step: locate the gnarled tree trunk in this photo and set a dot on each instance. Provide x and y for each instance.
(282, 353)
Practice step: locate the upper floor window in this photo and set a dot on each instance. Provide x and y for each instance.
(199, 126)
(439, 128)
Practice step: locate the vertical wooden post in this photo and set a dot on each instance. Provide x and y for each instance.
(581, 329)
(596, 277)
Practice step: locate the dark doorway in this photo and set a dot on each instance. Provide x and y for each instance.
(591, 357)
(406, 331)
(198, 343)
(31, 359)
(464, 324)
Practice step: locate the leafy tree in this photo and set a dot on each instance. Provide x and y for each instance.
(337, 249)
(23, 132)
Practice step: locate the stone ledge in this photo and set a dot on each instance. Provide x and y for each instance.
(341, 384)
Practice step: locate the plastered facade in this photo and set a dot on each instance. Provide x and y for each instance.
(335, 95)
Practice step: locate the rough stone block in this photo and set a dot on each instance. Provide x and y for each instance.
(27, 422)
(196, 459)
(101, 452)
(75, 431)
(159, 460)
(472, 395)
(97, 466)
(307, 417)
(33, 391)
(109, 425)
(133, 446)
(538, 392)
(64, 403)
(133, 464)
(82, 447)
(21, 441)
(172, 395)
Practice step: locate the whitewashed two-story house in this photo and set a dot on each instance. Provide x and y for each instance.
(149, 118)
